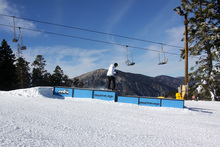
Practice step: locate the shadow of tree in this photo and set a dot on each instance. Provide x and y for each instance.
(199, 110)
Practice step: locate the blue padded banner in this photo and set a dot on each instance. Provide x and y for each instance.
(104, 95)
(149, 102)
(172, 103)
(65, 92)
(124, 99)
(82, 93)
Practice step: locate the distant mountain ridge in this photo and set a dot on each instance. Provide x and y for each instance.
(132, 84)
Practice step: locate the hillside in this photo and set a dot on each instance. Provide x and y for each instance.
(132, 84)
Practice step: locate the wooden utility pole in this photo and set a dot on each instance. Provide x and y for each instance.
(186, 49)
(181, 13)
(186, 55)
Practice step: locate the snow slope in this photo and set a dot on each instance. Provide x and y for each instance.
(35, 117)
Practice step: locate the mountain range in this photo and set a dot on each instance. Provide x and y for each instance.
(131, 84)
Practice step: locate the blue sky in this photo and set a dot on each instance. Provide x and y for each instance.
(151, 20)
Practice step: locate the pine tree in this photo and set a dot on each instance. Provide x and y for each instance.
(57, 76)
(38, 71)
(22, 70)
(67, 82)
(47, 79)
(77, 83)
(204, 41)
(59, 79)
(8, 79)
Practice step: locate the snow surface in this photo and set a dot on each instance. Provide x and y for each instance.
(35, 117)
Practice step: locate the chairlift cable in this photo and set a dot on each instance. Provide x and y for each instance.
(88, 30)
(88, 39)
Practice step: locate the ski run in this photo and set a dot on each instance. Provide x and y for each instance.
(35, 117)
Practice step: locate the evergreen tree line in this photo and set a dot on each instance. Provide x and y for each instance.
(15, 73)
(204, 43)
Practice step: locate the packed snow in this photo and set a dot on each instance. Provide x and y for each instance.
(35, 117)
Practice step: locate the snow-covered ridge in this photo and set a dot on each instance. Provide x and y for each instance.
(34, 92)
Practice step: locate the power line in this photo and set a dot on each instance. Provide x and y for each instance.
(93, 31)
(88, 39)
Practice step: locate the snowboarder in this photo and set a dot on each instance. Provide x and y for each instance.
(110, 74)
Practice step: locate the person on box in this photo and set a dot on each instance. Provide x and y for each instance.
(110, 74)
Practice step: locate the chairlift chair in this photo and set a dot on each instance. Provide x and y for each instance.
(19, 36)
(161, 56)
(14, 39)
(129, 55)
(22, 47)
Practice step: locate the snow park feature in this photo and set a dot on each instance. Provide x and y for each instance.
(86, 93)
(113, 96)
(36, 117)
